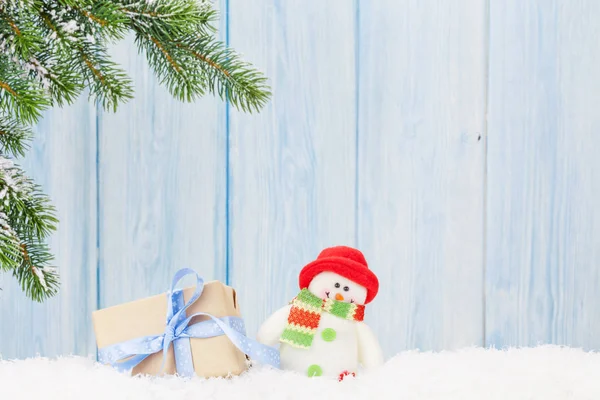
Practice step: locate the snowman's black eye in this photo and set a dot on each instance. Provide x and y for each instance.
(337, 285)
(346, 288)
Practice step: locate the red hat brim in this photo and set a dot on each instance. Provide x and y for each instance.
(345, 267)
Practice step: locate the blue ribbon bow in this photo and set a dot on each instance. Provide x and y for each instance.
(179, 333)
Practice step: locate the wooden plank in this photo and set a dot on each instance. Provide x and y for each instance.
(162, 188)
(292, 167)
(544, 174)
(63, 161)
(421, 169)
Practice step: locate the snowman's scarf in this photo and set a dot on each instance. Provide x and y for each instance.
(306, 313)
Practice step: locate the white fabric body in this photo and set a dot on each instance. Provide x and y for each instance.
(354, 344)
(333, 357)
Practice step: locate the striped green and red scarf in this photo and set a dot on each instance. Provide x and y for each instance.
(306, 313)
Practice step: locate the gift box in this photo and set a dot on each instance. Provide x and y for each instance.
(198, 329)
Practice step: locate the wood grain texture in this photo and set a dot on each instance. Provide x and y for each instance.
(292, 167)
(421, 169)
(375, 137)
(63, 161)
(162, 188)
(543, 228)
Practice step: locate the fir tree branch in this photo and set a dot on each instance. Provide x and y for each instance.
(184, 84)
(20, 96)
(87, 14)
(38, 279)
(22, 36)
(210, 66)
(170, 19)
(26, 219)
(51, 49)
(12, 25)
(6, 86)
(227, 75)
(36, 59)
(10, 247)
(166, 54)
(29, 211)
(109, 85)
(62, 79)
(14, 137)
(107, 16)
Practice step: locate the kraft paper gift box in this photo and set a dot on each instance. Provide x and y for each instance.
(212, 357)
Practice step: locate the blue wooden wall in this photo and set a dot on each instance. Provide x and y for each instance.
(453, 142)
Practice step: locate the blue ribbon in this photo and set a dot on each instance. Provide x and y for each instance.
(178, 331)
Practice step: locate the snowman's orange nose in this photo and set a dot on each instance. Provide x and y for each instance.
(339, 297)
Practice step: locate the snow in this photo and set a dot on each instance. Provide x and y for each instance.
(8, 174)
(39, 71)
(40, 276)
(6, 230)
(546, 372)
(70, 26)
(50, 270)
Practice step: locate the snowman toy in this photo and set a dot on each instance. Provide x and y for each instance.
(321, 332)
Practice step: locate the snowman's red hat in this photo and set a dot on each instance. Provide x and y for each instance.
(345, 261)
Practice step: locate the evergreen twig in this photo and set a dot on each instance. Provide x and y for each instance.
(50, 50)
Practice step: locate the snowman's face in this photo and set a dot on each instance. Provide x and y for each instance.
(329, 285)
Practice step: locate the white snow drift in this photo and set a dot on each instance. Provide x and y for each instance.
(548, 373)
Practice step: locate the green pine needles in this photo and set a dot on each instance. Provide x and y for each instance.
(51, 50)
